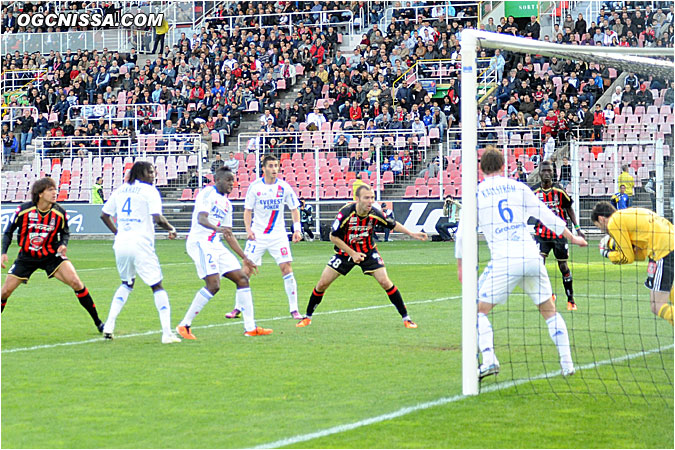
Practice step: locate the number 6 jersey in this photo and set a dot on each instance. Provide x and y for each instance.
(133, 205)
(504, 207)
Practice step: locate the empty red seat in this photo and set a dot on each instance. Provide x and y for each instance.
(187, 195)
(409, 192)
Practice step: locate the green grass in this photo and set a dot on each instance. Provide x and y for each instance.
(225, 391)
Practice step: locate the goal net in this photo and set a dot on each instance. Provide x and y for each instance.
(619, 344)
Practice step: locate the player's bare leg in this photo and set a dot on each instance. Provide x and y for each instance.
(557, 329)
(327, 277)
(66, 274)
(661, 306)
(291, 287)
(490, 364)
(394, 295)
(10, 284)
(245, 301)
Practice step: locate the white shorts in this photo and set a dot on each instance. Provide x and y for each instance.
(211, 258)
(278, 246)
(498, 280)
(138, 258)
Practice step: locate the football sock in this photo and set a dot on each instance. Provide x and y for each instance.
(164, 309)
(557, 329)
(486, 340)
(245, 302)
(666, 312)
(198, 303)
(118, 302)
(88, 303)
(567, 284)
(291, 291)
(396, 299)
(4, 302)
(314, 301)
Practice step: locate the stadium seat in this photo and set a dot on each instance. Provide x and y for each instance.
(63, 195)
(409, 192)
(343, 192)
(422, 192)
(195, 193)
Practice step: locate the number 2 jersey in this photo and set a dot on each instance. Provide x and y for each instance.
(133, 206)
(504, 207)
(219, 208)
(357, 231)
(41, 233)
(267, 202)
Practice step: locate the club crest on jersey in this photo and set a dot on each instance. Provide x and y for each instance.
(280, 192)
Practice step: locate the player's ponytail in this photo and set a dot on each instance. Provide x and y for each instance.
(138, 171)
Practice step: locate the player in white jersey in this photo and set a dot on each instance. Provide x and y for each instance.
(137, 207)
(266, 199)
(211, 218)
(504, 207)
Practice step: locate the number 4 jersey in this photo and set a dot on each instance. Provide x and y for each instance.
(133, 205)
(504, 207)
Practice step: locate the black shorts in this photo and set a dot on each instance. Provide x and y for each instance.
(559, 246)
(343, 263)
(24, 266)
(660, 274)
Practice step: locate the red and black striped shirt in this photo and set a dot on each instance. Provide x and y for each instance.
(40, 233)
(357, 231)
(558, 201)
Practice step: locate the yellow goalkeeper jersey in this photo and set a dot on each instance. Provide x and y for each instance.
(639, 232)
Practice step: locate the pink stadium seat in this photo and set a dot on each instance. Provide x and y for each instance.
(343, 192)
(281, 84)
(422, 192)
(409, 192)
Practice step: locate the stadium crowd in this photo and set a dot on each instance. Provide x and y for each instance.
(206, 82)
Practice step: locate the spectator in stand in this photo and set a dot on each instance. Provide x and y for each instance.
(598, 123)
(396, 166)
(650, 188)
(217, 163)
(519, 173)
(565, 173)
(232, 162)
(10, 145)
(644, 97)
(609, 113)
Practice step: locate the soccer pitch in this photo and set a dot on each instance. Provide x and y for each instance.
(355, 378)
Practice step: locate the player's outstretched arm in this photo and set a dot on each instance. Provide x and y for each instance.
(248, 217)
(576, 240)
(109, 223)
(163, 223)
(401, 229)
(297, 233)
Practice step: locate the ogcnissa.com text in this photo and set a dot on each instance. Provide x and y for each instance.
(73, 19)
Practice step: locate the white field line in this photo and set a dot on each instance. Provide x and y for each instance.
(226, 324)
(444, 401)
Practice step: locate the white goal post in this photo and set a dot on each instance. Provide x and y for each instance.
(619, 57)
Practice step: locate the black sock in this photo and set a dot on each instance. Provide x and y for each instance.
(314, 301)
(396, 299)
(567, 283)
(88, 303)
(4, 302)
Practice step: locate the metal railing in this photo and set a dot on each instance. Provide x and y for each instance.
(118, 113)
(9, 114)
(388, 16)
(120, 145)
(292, 20)
(14, 83)
(121, 40)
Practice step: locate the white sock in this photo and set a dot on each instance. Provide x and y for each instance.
(486, 340)
(557, 329)
(245, 302)
(292, 291)
(118, 302)
(164, 309)
(201, 299)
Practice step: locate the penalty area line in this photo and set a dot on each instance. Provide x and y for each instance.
(226, 324)
(444, 401)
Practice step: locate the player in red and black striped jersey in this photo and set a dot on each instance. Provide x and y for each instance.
(43, 236)
(352, 235)
(560, 203)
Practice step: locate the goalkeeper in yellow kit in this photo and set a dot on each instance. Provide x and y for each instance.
(636, 234)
